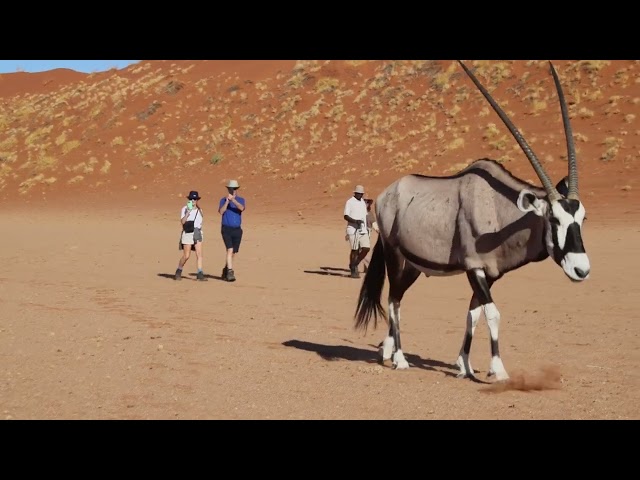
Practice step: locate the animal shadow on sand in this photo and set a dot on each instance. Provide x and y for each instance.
(333, 271)
(208, 276)
(171, 276)
(354, 354)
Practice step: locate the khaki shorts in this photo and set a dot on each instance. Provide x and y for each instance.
(359, 241)
(187, 238)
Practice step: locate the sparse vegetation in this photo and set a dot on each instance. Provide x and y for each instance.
(612, 147)
(318, 115)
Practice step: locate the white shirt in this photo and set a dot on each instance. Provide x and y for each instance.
(356, 209)
(192, 216)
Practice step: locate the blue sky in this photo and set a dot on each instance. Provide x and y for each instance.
(87, 66)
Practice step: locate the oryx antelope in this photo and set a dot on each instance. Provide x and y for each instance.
(483, 222)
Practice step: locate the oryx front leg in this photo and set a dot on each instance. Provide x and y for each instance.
(473, 315)
(482, 291)
(399, 362)
(493, 320)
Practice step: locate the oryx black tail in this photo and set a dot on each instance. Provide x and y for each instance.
(371, 290)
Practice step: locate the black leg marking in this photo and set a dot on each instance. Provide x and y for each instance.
(481, 286)
(468, 337)
(396, 337)
(495, 350)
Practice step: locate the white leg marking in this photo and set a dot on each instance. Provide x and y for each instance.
(387, 348)
(497, 367)
(493, 320)
(399, 361)
(463, 362)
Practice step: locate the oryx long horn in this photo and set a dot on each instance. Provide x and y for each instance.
(571, 149)
(535, 163)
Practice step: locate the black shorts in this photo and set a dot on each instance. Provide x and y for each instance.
(232, 236)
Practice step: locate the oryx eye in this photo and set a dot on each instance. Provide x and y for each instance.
(554, 220)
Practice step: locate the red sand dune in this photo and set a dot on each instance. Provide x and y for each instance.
(312, 127)
(21, 83)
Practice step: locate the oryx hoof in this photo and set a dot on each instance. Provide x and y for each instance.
(401, 365)
(464, 373)
(499, 376)
(399, 362)
(384, 359)
(385, 350)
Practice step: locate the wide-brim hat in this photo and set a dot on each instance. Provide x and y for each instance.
(358, 189)
(233, 184)
(193, 195)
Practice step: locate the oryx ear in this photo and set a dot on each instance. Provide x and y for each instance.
(528, 202)
(563, 186)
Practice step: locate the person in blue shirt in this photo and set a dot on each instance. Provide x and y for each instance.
(231, 208)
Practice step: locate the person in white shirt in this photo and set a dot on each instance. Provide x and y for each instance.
(355, 213)
(191, 236)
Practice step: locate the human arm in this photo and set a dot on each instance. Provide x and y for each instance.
(184, 215)
(224, 203)
(239, 203)
(352, 220)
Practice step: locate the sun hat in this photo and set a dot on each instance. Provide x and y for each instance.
(233, 184)
(359, 189)
(193, 195)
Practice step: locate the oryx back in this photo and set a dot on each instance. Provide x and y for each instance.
(449, 225)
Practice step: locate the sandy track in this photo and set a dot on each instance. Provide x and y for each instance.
(91, 327)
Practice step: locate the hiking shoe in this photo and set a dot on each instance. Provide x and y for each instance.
(224, 273)
(230, 276)
(178, 275)
(201, 277)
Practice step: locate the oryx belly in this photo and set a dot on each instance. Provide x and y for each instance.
(435, 273)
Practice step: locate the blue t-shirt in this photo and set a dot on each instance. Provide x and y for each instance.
(232, 217)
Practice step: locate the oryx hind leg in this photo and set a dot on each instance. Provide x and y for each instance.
(401, 276)
(481, 290)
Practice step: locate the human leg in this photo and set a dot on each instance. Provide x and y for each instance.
(354, 246)
(200, 257)
(187, 241)
(236, 239)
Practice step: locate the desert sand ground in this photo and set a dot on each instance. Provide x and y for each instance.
(94, 327)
